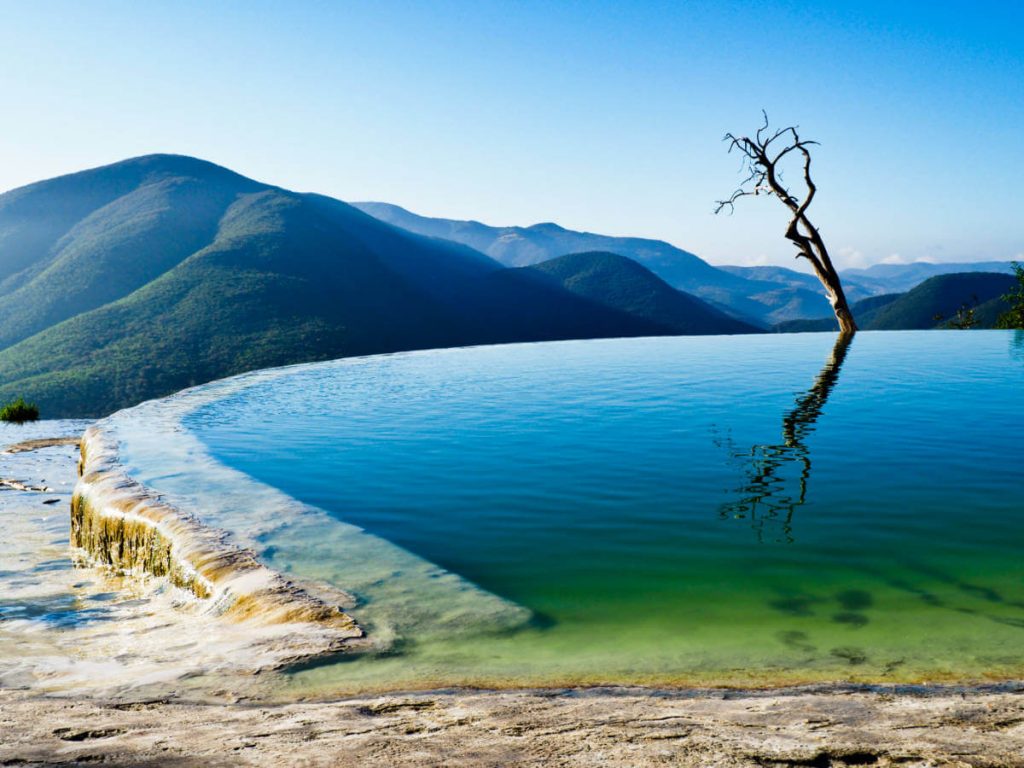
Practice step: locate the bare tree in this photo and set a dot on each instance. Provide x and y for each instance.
(762, 157)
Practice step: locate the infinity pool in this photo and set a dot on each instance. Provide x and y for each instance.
(701, 510)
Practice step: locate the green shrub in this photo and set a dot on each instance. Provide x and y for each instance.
(1014, 318)
(19, 411)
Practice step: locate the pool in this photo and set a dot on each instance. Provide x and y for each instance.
(747, 510)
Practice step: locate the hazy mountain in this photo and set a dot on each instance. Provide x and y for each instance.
(856, 287)
(897, 278)
(744, 296)
(136, 279)
(864, 312)
(929, 305)
(523, 246)
(623, 284)
(764, 295)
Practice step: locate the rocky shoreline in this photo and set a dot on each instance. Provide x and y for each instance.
(121, 525)
(615, 727)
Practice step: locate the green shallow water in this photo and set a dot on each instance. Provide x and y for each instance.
(715, 510)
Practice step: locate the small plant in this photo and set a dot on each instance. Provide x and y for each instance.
(1014, 318)
(964, 319)
(18, 411)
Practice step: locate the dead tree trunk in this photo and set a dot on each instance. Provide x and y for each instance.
(762, 156)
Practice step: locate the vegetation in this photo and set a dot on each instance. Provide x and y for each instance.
(944, 296)
(765, 296)
(18, 411)
(743, 292)
(964, 319)
(194, 273)
(927, 306)
(1014, 316)
(626, 286)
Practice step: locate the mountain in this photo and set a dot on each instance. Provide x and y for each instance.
(764, 296)
(136, 279)
(929, 305)
(941, 296)
(898, 278)
(745, 296)
(856, 287)
(864, 312)
(622, 284)
(524, 246)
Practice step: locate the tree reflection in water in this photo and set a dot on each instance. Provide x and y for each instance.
(770, 497)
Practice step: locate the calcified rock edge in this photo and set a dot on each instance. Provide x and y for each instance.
(119, 523)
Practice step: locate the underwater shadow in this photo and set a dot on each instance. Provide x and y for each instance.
(769, 499)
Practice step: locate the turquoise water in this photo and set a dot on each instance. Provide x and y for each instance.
(676, 510)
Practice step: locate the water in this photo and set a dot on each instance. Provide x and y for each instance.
(704, 510)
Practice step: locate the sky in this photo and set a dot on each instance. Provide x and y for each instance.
(600, 116)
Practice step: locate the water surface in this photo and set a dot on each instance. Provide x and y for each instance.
(674, 510)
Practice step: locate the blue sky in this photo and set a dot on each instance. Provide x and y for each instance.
(599, 116)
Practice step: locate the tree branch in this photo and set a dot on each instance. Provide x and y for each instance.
(764, 176)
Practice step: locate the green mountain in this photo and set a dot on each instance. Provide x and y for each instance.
(930, 305)
(937, 299)
(136, 279)
(622, 284)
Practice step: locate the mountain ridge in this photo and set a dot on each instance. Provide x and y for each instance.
(136, 279)
(931, 304)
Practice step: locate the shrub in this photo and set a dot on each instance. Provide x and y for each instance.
(19, 411)
(1014, 318)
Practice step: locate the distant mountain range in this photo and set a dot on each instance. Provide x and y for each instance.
(763, 296)
(615, 281)
(897, 278)
(136, 279)
(524, 246)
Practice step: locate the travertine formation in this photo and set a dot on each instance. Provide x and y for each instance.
(631, 728)
(118, 523)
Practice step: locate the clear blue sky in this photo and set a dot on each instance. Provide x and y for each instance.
(599, 116)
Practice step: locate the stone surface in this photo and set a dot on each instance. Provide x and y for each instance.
(533, 728)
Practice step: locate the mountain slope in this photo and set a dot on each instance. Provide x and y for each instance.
(277, 285)
(524, 246)
(941, 296)
(162, 272)
(116, 249)
(764, 295)
(623, 284)
(755, 301)
(929, 305)
(864, 312)
(856, 287)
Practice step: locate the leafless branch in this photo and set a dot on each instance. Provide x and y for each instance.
(762, 156)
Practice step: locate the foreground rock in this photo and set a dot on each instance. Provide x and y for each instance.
(77, 630)
(542, 728)
(42, 442)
